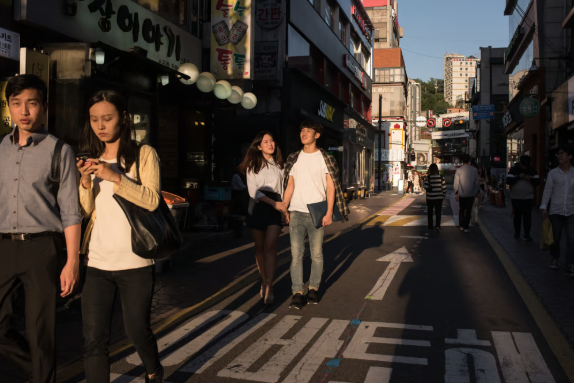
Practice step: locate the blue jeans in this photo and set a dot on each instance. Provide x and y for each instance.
(560, 222)
(300, 225)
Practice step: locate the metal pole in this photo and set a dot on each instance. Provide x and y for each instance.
(380, 142)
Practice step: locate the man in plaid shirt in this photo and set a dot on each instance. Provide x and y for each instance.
(311, 176)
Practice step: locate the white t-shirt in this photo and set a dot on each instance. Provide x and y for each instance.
(111, 240)
(309, 173)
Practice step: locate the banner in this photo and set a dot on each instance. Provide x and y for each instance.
(5, 120)
(449, 134)
(231, 39)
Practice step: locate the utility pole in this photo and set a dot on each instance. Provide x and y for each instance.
(380, 142)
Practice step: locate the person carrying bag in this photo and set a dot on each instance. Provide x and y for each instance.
(121, 183)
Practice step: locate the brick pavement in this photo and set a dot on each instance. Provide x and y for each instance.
(553, 288)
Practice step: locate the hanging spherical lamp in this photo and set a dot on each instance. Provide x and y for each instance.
(236, 95)
(249, 101)
(222, 89)
(190, 70)
(206, 82)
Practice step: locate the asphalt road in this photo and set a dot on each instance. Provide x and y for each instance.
(399, 304)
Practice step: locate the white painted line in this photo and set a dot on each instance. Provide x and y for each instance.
(467, 338)
(379, 375)
(365, 335)
(208, 358)
(118, 378)
(271, 371)
(326, 346)
(485, 370)
(419, 222)
(520, 360)
(413, 237)
(182, 332)
(395, 258)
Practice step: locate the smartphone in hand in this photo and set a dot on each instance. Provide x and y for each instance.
(84, 157)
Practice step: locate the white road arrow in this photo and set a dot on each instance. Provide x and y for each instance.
(395, 258)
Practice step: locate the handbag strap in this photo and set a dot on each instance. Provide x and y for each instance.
(138, 153)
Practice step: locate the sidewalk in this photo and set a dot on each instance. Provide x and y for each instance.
(552, 287)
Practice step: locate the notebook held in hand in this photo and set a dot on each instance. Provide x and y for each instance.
(319, 210)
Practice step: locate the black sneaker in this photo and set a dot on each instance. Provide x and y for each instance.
(157, 378)
(570, 270)
(312, 297)
(297, 302)
(528, 239)
(554, 265)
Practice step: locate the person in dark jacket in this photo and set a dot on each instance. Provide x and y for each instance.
(522, 179)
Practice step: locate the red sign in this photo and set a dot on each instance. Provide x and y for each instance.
(446, 123)
(361, 22)
(431, 122)
(496, 159)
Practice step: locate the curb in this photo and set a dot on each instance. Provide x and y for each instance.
(548, 327)
(73, 368)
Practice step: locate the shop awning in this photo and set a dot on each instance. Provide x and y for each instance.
(448, 134)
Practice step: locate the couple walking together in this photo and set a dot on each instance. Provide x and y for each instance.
(281, 194)
(36, 210)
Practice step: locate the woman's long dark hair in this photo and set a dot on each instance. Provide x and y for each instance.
(254, 159)
(90, 143)
(433, 170)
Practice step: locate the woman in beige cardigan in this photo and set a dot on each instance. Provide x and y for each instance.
(112, 266)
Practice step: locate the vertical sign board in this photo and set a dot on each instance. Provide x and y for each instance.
(231, 39)
(570, 105)
(9, 44)
(5, 119)
(265, 60)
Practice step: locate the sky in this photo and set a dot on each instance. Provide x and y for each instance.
(433, 28)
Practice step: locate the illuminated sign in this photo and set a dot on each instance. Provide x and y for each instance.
(326, 111)
(360, 22)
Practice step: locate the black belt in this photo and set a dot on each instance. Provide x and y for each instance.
(27, 237)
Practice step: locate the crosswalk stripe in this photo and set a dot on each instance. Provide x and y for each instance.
(410, 220)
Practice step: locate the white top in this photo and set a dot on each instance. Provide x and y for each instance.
(111, 241)
(560, 188)
(466, 181)
(269, 178)
(310, 181)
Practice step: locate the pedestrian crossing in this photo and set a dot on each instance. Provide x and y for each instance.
(410, 220)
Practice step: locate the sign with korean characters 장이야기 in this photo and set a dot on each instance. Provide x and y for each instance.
(231, 41)
(9, 44)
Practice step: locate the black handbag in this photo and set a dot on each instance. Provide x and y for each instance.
(155, 234)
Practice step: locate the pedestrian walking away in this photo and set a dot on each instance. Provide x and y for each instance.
(435, 187)
(112, 265)
(559, 194)
(522, 179)
(35, 212)
(410, 183)
(465, 189)
(311, 175)
(263, 164)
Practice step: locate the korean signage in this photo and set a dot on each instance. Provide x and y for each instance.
(270, 13)
(5, 120)
(326, 111)
(449, 134)
(357, 72)
(9, 44)
(571, 99)
(529, 107)
(360, 22)
(265, 60)
(122, 24)
(231, 39)
(483, 112)
(506, 119)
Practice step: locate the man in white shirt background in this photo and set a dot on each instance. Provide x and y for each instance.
(559, 191)
(465, 188)
(312, 177)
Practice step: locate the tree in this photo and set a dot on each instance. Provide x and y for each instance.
(432, 95)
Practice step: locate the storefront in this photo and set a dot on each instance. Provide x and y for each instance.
(132, 49)
(358, 158)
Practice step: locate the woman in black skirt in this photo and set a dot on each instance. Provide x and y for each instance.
(263, 165)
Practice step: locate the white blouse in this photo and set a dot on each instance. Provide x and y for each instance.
(269, 178)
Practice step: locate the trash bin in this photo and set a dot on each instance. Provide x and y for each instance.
(178, 207)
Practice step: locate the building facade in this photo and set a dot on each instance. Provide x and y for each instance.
(458, 69)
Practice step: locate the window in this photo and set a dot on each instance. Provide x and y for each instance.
(351, 45)
(389, 75)
(343, 31)
(299, 51)
(329, 14)
(461, 74)
(466, 86)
